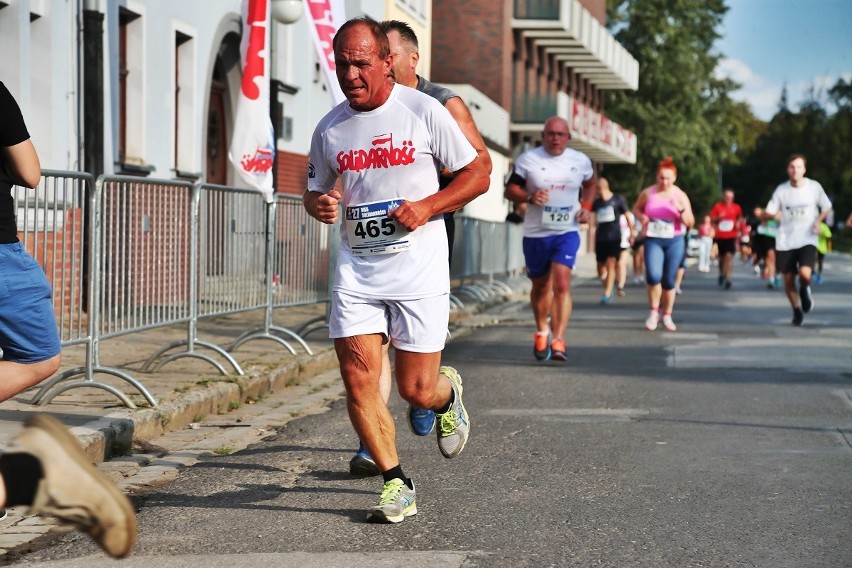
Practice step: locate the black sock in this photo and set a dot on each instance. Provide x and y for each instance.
(449, 405)
(396, 473)
(21, 474)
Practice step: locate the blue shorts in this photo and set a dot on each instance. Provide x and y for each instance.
(28, 332)
(540, 252)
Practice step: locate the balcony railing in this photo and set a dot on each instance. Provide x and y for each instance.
(535, 109)
(537, 9)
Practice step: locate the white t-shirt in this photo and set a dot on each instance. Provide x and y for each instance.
(562, 176)
(385, 156)
(800, 208)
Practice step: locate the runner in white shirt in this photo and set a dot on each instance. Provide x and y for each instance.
(392, 275)
(550, 178)
(799, 205)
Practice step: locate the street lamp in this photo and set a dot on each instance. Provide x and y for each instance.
(287, 11)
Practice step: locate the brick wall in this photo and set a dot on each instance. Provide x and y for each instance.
(472, 44)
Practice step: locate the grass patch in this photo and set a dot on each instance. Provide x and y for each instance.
(224, 450)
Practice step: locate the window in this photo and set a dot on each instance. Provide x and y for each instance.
(184, 95)
(417, 8)
(131, 116)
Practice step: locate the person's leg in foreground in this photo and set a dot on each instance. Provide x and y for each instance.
(45, 469)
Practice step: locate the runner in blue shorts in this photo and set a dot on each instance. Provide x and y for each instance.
(551, 178)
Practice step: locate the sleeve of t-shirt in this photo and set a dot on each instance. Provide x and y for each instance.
(588, 170)
(774, 204)
(520, 169)
(13, 130)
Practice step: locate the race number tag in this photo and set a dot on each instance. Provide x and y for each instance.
(559, 218)
(797, 212)
(371, 231)
(606, 214)
(726, 225)
(661, 228)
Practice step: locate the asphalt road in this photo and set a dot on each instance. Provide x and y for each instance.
(726, 443)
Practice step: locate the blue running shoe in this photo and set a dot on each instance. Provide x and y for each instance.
(421, 421)
(362, 464)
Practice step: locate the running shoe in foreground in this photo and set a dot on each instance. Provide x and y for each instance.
(72, 489)
(669, 324)
(453, 425)
(396, 503)
(362, 464)
(557, 350)
(421, 421)
(541, 348)
(806, 298)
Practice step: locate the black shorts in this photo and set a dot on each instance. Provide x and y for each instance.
(638, 242)
(607, 249)
(763, 244)
(789, 261)
(726, 246)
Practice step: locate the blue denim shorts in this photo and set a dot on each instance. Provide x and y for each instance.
(28, 332)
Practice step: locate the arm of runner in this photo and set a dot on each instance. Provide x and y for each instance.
(469, 182)
(21, 164)
(587, 197)
(322, 206)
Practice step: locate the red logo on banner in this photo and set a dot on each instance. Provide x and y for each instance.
(321, 14)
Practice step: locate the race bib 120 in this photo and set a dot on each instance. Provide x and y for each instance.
(558, 218)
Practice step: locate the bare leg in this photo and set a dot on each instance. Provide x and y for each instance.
(541, 298)
(18, 377)
(610, 276)
(361, 367)
(562, 306)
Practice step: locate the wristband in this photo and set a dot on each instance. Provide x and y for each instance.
(586, 205)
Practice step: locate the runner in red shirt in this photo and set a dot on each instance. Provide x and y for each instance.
(726, 216)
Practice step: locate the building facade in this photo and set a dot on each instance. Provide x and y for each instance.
(149, 88)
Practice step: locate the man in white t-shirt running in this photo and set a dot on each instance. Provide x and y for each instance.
(551, 178)
(392, 276)
(799, 205)
(406, 54)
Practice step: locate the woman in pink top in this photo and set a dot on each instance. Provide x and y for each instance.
(666, 214)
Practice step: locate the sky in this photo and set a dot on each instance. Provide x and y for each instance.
(766, 44)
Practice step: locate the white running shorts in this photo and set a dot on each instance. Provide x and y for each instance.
(419, 326)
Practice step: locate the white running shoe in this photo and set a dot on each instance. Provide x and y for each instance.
(651, 322)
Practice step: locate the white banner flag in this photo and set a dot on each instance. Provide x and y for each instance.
(253, 142)
(324, 18)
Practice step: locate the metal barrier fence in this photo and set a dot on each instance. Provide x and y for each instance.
(485, 250)
(125, 255)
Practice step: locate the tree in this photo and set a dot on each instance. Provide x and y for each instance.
(680, 109)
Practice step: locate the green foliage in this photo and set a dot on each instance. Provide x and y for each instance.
(680, 109)
(825, 140)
